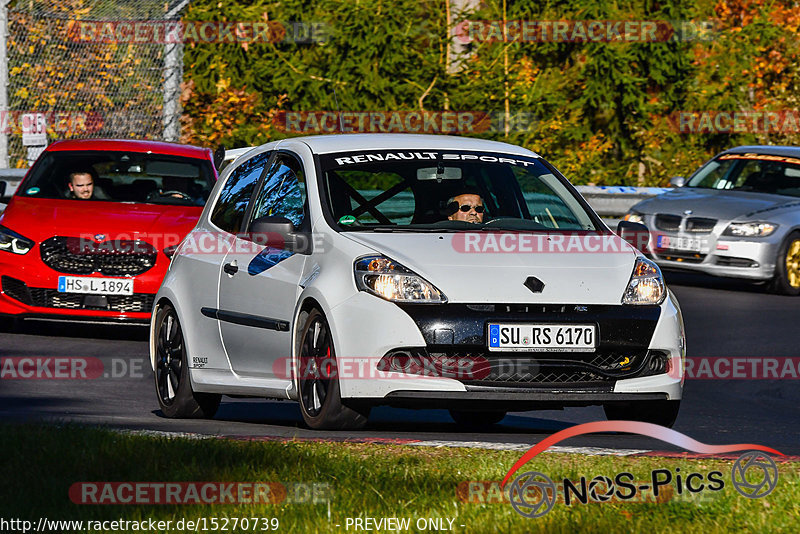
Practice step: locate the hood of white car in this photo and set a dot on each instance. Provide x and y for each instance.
(493, 267)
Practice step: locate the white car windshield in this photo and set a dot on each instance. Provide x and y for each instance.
(448, 190)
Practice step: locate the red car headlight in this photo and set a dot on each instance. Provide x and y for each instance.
(11, 241)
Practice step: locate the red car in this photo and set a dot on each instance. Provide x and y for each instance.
(89, 233)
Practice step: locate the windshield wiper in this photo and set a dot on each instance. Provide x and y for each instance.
(389, 229)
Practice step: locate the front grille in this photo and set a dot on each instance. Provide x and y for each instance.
(481, 368)
(51, 298)
(669, 223)
(16, 289)
(730, 261)
(74, 255)
(526, 308)
(598, 368)
(700, 225)
(681, 256)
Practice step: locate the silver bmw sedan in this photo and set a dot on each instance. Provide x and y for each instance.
(737, 216)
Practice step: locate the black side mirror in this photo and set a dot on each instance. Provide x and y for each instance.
(2, 189)
(219, 156)
(280, 233)
(636, 234)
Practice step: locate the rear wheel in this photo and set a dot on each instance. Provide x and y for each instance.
(787, 267)
(477, 419)
(318, 382)
(663, 412)
(173, 386)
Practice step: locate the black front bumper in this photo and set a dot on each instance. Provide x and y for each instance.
(458, 332)
(511, 399)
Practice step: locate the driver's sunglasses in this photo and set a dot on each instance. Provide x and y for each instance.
(466, 207)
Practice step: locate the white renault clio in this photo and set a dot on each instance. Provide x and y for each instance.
(349, 271)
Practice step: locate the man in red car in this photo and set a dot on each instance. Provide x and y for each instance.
(83, 238)
(81, 185)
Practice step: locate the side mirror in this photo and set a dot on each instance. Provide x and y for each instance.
(2, 189)
(636, 234)
(219, 156)
(280, 233)
(677, 181)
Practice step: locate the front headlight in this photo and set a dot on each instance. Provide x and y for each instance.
(633, 216)
(390, 280)
(750, 229)
(11, 241)
(646, 285)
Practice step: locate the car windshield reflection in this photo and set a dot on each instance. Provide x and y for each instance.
(383, 191)
(756, 173)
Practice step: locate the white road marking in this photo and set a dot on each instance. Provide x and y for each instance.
(589, 451)
(488, 445)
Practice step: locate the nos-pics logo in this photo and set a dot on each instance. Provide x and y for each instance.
(533, 494)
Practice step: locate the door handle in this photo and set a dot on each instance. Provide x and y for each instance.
(230, 268)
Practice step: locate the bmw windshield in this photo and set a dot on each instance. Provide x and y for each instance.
(385, 190)
(757, 173)
(120, 176)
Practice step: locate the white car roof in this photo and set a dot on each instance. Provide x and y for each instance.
(323, 144)
(234, 153)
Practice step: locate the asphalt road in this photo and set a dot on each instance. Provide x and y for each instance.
(723, 318)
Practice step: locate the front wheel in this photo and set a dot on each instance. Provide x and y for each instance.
(173, 386)
(662, 412)
(787, 267)
(318, 381)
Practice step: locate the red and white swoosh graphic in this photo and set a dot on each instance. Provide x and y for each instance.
(634, 427)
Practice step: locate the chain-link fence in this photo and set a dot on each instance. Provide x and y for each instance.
(93, 69)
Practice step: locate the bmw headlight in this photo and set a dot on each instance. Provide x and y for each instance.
(633, 216)
(646, 285)
(11, 241)
(390, 280)
(750, 229)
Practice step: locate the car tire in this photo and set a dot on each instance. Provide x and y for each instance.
(477, 419)
(318, 382)
(661, 412)
(787, 267)
(173, 385)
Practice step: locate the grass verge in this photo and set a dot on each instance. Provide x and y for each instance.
(324, 484)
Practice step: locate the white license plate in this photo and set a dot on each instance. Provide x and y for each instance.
(88, 285)
(679, 243)
(542, 337)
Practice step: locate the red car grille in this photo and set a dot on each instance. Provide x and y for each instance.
(75, 255)
(51, 298)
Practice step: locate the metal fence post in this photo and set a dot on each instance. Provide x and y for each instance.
(457, 51)
(173, 76)
(3, 87)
